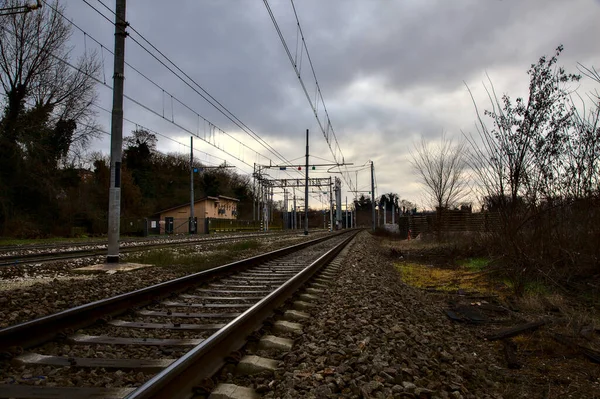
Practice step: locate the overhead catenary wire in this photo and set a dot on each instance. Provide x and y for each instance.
(206, 96)
(222, 109)
(135, 101)
(318, 95)
(139, 103)
(101, 130)
(158, 86)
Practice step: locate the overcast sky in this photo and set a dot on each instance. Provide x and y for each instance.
(390, 71)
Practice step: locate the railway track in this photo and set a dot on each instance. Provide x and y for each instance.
(161, 341)
(43, 254)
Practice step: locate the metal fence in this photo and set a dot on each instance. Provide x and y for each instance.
(155, 226)
(448, 221)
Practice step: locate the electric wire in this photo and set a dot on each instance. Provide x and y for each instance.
(128, 97)
(314, 105)
(163, 90)
(223, 110)
(206, 96)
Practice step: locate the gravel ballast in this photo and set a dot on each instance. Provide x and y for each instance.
(372, 336)
(52, 288)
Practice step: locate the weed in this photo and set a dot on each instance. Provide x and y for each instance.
(188, 261)
(244, 245)
(536, 288)
(443, 279)
(53, 240)
(475, 264)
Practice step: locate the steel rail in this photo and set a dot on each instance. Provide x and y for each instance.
(179, 379)
(43, 329)
(125, 242)
(24, 259)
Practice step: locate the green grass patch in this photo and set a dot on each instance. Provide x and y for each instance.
(41, 241)
(536, 288)
(244, 245)
(475, 264)
(188, 261)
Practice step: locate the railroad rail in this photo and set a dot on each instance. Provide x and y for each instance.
(225, 305)
(28, 255)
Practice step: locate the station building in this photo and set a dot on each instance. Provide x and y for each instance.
(176, 219)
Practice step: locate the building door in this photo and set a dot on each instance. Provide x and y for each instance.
(169, 222)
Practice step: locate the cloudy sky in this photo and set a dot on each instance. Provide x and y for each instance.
(390, 72)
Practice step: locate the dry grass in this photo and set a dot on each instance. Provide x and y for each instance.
(550, 369)
(442, 279)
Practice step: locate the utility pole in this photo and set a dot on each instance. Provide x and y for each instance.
(254, 193)
(330, 205)
(192, 224)
(306, 190)
(373, 192)
(271, 205)
(294, 212)
(116, 136)
(338, 203)
(346, 212)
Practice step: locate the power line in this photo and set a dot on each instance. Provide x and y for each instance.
(318, 95)
(160, 134)
(197, 114)
(206, 96)
(223, 110)
(129, 98)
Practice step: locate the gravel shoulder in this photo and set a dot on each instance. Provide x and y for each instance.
(375, 337)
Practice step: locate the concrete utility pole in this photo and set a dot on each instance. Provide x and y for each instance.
(330, 205)
(373, 192)
(116, 136)
(271, 206)
(338, 203)
(384, 215)
(306, 190)
(294, 212)
(192, 224)
(346, 212)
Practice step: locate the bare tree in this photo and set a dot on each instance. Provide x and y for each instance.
(442, 169)
(39, 78)
(47, 108)
(516, 158)
(537, 159)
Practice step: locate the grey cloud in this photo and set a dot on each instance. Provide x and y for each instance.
(231, 48)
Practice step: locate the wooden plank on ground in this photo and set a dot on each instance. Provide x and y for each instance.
(591, 354)
(41, 392)
(510, 354)
(517, 330)
(452, 315)
(106, 340)
(471, 313)
(163, 326)
(151, 365)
